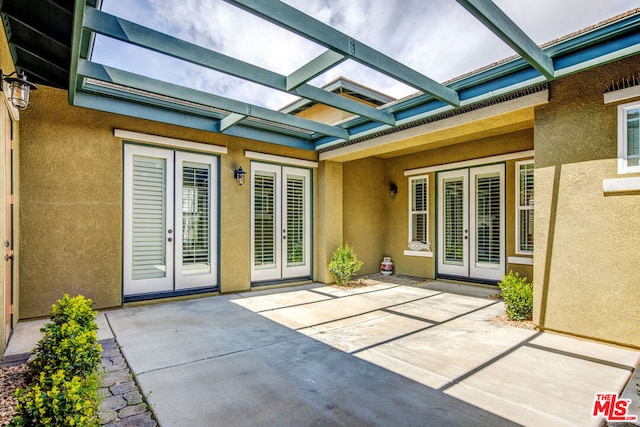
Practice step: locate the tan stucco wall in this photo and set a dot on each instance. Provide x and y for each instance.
(328, 217)
(366, 202)
(71, 184)
(586, 263)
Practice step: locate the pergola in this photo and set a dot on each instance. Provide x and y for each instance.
(51, 40)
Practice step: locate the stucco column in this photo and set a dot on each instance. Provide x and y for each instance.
(328, 217)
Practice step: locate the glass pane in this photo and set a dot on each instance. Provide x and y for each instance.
(195, 219)
(633, 138)
(487, 220)
(526, 184)
(264, 222)
(453, 222)
(149, 221)
(419, 194)
(295, 221)
(419, 227)
(526, 230)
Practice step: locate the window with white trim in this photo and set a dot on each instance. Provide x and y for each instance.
(524, 207)
(629, 138)
(419, 209)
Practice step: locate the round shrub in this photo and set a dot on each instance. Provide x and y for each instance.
(344, 264)
(517, 294)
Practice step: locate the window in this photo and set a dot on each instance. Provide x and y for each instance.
(628, 138)
(524, 207)
(419, 209)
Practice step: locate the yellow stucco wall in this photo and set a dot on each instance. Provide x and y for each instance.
(366, 203)
(328, 217)
(71, 184)
(586, 263)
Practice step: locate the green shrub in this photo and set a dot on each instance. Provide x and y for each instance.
(65, 369)
(517, 294)
(78, 309)
(58, 401)
(68, 347)
(70, 343)
(344, 264)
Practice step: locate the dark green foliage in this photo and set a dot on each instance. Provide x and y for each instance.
(517, 294)
(65, 370)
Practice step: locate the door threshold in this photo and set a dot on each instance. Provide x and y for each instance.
(140, 299)
(469, 281)
(268, 284)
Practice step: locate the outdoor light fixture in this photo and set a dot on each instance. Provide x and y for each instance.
(239, 175)
(19, 89)
(393, 190)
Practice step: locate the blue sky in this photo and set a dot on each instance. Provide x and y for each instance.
(436, 37)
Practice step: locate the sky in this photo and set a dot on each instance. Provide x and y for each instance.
(438, 38)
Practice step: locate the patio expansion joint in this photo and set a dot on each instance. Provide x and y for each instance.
(581, 357)
(489, 362)
(363, 312)
(216, 356)
(432, 324)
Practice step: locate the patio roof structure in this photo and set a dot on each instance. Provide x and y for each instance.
(52, 40)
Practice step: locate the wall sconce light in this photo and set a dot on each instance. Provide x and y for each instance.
(239, 175)
(393, 190)
(19, 89)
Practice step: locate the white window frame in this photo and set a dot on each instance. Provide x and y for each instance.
(411, 211)
(519, 207)
(623, 164)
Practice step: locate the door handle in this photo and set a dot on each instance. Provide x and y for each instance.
(170, 239)
(284, 234)
(8, 257)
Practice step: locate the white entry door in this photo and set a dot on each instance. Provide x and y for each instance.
(280, 222)
(471, 240)
(170, 221)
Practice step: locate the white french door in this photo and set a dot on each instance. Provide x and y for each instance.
(280, 222)
(170, 221)
(471, 239)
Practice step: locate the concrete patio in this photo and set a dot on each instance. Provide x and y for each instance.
(384, 354)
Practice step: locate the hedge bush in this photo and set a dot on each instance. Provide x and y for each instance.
(517, 294)
(344, 264)
(65, 370)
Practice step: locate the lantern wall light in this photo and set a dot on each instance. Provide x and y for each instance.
(393, 190)
(239, 175)
(19, 88)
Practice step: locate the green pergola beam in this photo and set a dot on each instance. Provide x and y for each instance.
(302, 24)
(129, 32)
(147, 84)
(499, 23)
(230, 121)
(314, 68)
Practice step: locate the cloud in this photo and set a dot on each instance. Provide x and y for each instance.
(438, 38)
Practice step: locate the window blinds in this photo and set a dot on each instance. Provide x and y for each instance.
(264, 219)
(196, 252)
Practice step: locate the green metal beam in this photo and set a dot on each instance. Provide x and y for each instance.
(498, 22)
(158, 114)
(131, 80)
(76, 47)
(231, 120)
(129, 32)
(302, 24)
(313, 68)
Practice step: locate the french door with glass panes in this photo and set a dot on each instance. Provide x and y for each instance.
(280, 222)
(170, 221)
(471, 240)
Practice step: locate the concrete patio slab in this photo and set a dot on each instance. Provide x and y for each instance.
(375, 355)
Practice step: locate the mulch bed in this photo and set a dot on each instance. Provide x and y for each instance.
(11, 377)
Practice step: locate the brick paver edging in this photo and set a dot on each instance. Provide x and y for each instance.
(122, 404)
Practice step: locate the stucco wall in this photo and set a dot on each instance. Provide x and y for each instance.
(586, 264)
(366, 201)
(71, 195)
